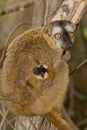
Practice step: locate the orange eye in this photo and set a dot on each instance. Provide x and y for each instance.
(57, 36)
(71, 34)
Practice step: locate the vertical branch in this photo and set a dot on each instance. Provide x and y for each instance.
(50, 9)
(46, 11)
(3, 123)
(38, 13)
(53, 7)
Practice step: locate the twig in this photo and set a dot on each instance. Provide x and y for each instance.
(31, 121)
(2, 126)
(80, 96)
(14, 29)
(4, 116)
(82, 122)
(69, 119)
(20, 122)
(71, 99)
(11, 100)
(3, 49)
(78, 66)
(41, 123)
(19, 7)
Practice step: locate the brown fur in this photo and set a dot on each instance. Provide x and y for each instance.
(19, 83)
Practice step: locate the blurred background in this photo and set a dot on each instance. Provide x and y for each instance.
(76, 100)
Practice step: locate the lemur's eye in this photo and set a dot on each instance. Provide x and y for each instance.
(57, 36)
(71, 34)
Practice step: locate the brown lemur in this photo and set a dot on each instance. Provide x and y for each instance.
(35, 74)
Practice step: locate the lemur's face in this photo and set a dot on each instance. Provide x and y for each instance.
(62, 34)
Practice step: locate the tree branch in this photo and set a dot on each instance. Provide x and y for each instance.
(78, 66)
(19, 7)
(38, 13)
(69, 119)
(79, 11)
(71, 10)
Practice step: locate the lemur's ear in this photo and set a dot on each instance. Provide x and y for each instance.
(47, 30)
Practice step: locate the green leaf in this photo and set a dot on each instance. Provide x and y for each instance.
(85, 32)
